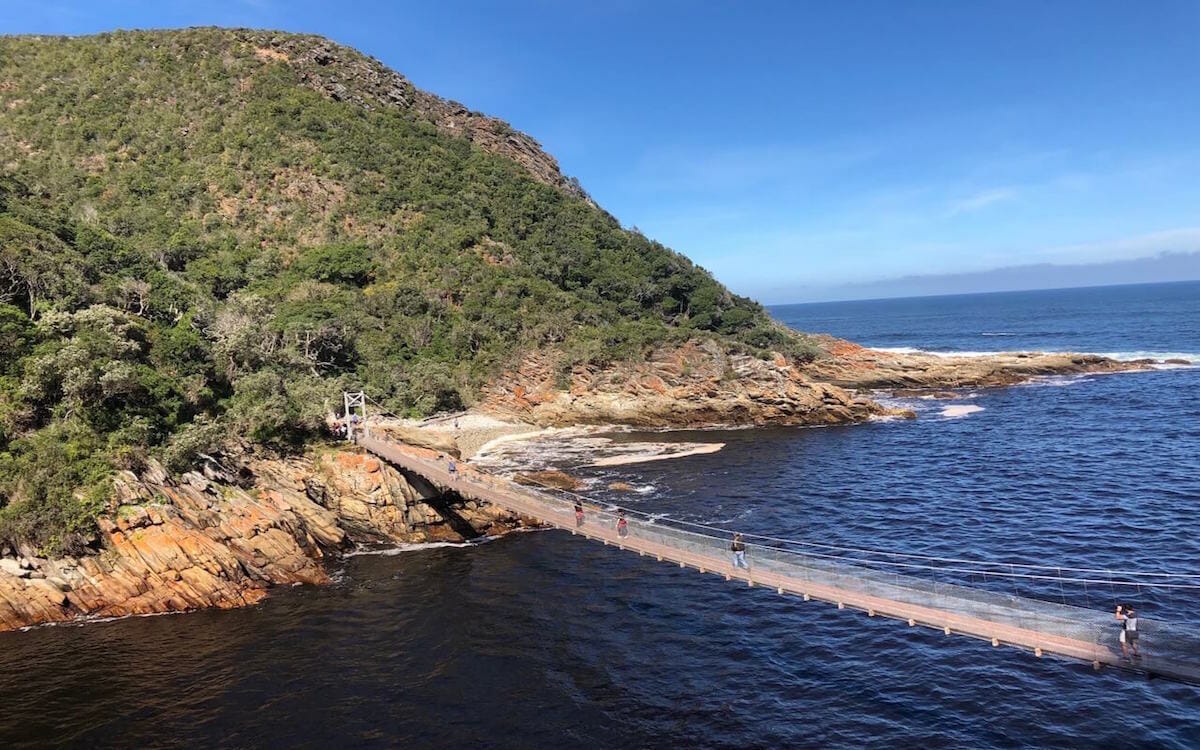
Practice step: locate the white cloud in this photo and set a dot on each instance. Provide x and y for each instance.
(982, 199)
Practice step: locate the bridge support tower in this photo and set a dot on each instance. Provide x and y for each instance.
(354, 413)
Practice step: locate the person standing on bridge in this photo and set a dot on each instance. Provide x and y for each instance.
(739, 552)
(578, 515)
(1128, 618)
(622, 525)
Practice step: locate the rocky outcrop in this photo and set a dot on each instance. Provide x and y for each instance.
(172, 544)
(702, 384)
(559, 480)
(697, 384)
(852, 366)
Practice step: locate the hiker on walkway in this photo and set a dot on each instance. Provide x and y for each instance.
(622, 525)
(578, 515)
(1128, 618)
(452, 468)
(739, 552)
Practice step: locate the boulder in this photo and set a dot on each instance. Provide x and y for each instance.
(437, 441)
(13, 568)
(559, 480)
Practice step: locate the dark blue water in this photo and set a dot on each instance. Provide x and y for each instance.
(1130, 321)
(542, 640)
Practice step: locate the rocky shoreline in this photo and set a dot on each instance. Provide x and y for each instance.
(221, 537)
(701, 385)
(856, 367)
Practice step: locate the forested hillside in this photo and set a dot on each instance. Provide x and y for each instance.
(210, 233)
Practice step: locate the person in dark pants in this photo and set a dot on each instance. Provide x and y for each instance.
(739, 552)
(1128, 618)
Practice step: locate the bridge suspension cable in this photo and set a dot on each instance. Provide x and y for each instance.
(906, 560)
(981, 567)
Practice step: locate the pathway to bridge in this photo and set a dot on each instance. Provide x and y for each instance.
(1043, 627)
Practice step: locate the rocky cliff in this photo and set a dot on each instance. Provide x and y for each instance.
(178, 543)
(697, 384)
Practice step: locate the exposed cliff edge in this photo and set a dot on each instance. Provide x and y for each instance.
(175, 544)
(697, 384)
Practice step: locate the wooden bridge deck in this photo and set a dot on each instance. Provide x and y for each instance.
(1036, 625)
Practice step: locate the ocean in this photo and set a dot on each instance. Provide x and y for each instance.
(542, 640)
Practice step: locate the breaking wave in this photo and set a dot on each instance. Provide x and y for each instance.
(960, 410)
(1160, 358)
(403, 547)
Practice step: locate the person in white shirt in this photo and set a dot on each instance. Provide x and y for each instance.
(1128, 618)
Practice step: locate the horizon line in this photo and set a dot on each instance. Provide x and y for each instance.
(981, 294)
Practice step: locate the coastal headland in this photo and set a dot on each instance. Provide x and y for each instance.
(224, 535)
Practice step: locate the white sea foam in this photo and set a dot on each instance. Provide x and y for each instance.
(1158, 357)
(914, 350)
(1055, 381)
(960, 410)
(646, 452)
(402, 547)
(94, 619)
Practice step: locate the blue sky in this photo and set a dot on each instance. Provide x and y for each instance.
(794, 148)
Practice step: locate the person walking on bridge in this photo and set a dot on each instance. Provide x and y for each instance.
(578, 515)
(1128, 618)
(739, 552)
(622, 525)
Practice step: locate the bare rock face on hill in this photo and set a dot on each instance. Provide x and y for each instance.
(697, 384)
(329, 68)
(178, 544)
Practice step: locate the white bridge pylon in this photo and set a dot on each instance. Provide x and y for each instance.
(354, 413)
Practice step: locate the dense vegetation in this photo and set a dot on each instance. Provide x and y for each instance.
(194, 244)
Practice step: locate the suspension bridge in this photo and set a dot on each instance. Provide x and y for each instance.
(879, 584)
